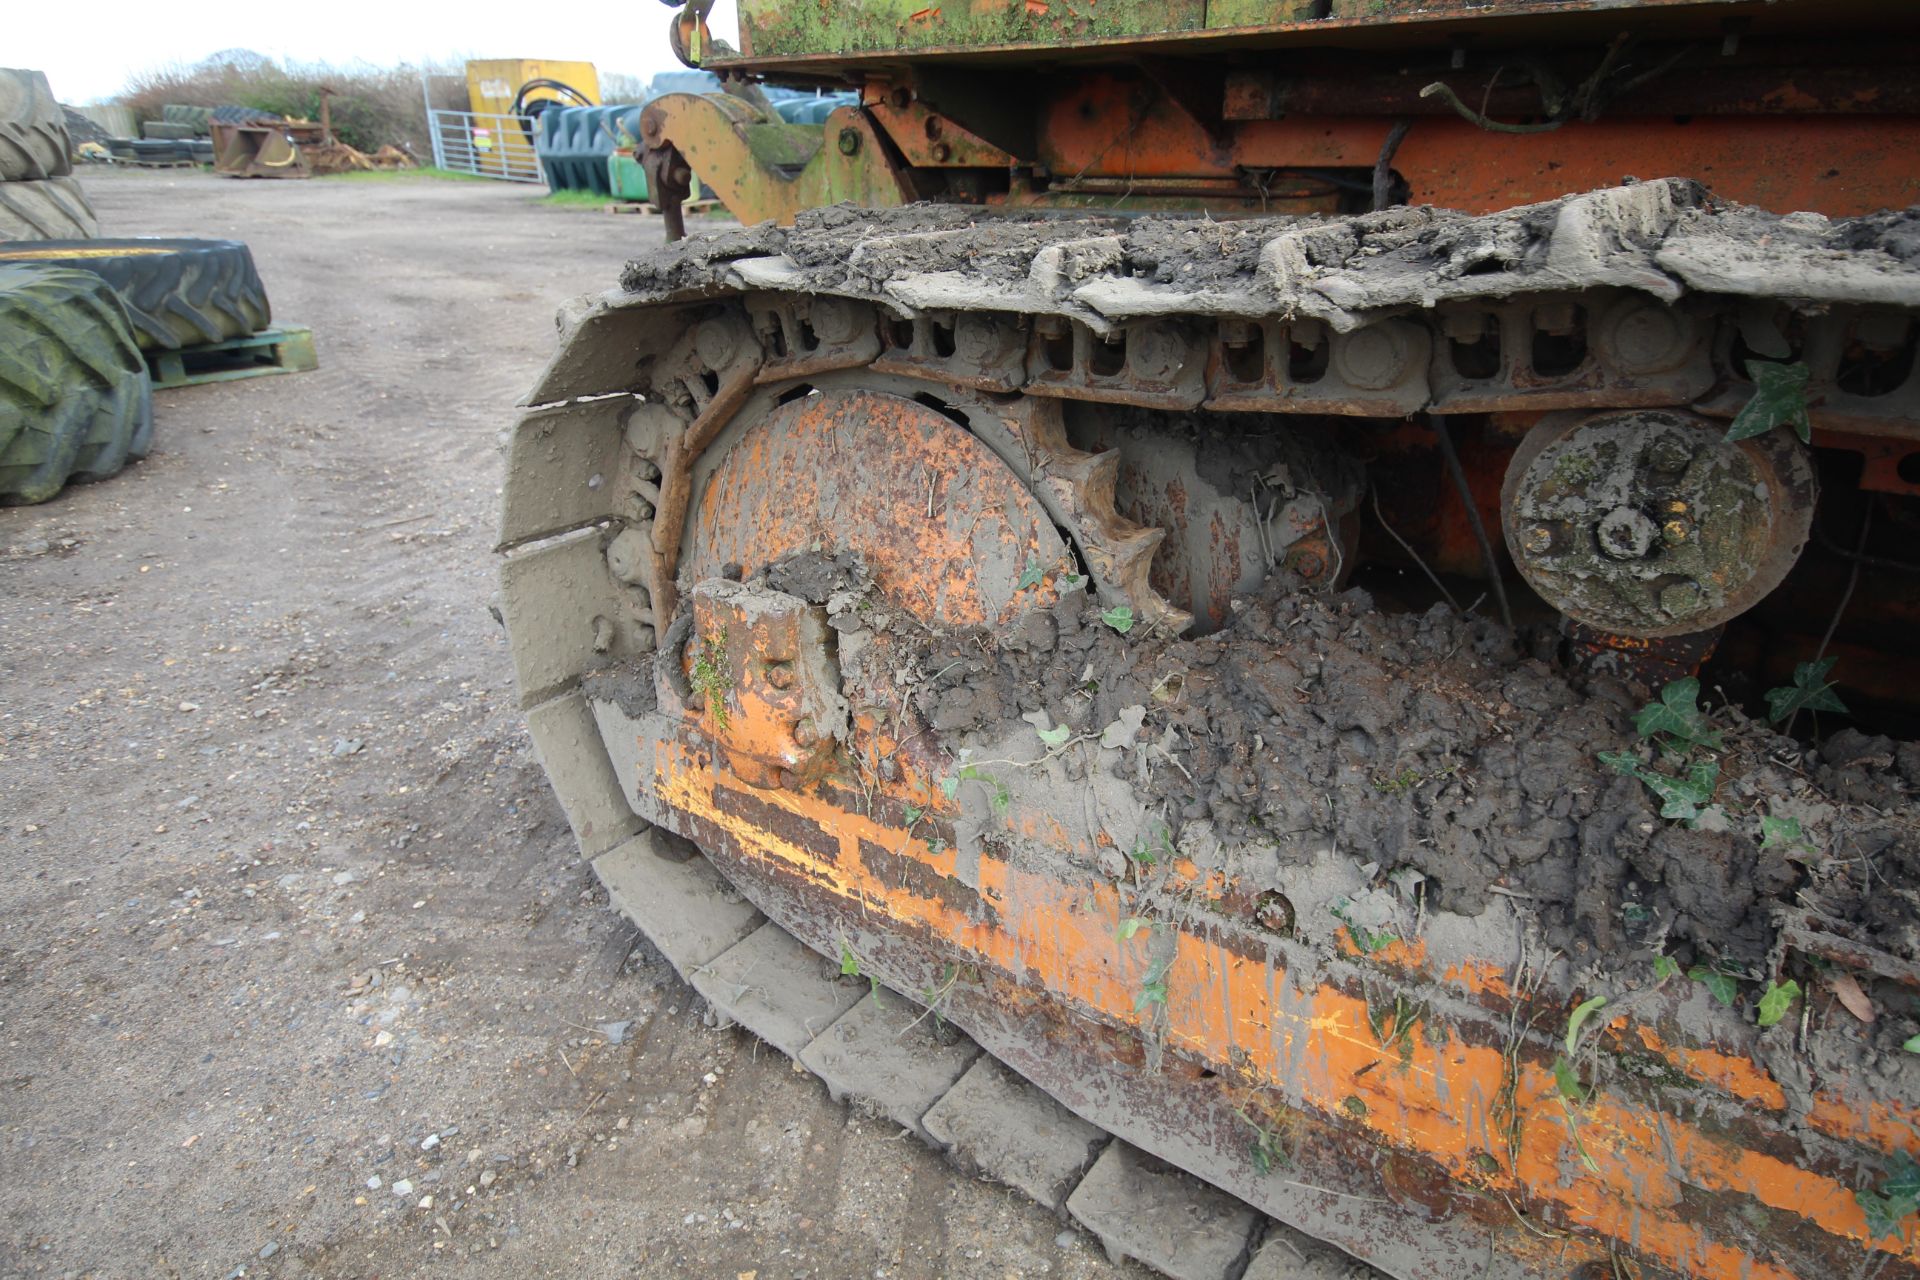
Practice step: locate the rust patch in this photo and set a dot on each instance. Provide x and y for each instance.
(915, 876)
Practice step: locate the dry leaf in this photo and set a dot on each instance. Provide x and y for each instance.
(1851, 996)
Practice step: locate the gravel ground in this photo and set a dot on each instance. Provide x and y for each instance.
(299, 974)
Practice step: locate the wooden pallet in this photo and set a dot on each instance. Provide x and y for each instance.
(285, 350)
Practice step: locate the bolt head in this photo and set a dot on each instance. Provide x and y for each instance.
(1674, 532)
(982, 339)
(1307, 561)
(834, 319)
(780, 675)
(715, 344)
(1670, 455)
(1626, 534)
(629, 554)
(1373, 358)
(1680, 599)
(849, 142)
(804, 733)
(1642, 337)
(1538, 540)
(1156, 353)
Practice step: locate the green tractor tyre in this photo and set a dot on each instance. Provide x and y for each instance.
(34, 144)
(75, 398)
(178, 293)
(52, 209)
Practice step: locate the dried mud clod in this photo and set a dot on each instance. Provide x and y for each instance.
(1665, 238)
(1436, 744)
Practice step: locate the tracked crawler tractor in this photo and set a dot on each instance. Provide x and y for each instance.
(1289, 626)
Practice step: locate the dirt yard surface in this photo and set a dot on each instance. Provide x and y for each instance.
(299, 973)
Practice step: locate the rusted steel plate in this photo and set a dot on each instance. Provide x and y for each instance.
(940, 523)
(1101, 126)
(1456, 1122)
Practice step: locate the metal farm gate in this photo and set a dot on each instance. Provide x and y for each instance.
(493, 146)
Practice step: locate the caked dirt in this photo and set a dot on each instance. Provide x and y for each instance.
(1457, 760)
(299, 972)
(1665, 238)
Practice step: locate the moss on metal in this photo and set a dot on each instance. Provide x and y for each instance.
(786, 27)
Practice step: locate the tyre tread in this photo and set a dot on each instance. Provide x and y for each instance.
(52, 209)
(198, 292)
(34, 144)
(75, 395)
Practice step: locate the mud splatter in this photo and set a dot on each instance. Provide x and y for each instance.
(1438, 744)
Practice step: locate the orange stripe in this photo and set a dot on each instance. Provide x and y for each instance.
(1313, 1046)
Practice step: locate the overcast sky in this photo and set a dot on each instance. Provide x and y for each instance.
(88, 52)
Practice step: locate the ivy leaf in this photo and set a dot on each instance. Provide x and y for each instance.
(1665, 967)
(1130, 926)
(1889, 1207)
(1624, 763)
(1777, 831)
(1678, 714)
(1368, 941)
(1032, 576)
(912, 813)
(1884, 1216)
(1567, 1080)
(849, 962)
(1776, 1000)
(1903, 1178)
(1120, 618)
(950, 785)
(1153, 983)
(1072, 580)
(1581, 1012)
(1055, 736)
(1779, 400)
(1724, 987)
(1912, 1045)
(1683, 798)
(1810, 691)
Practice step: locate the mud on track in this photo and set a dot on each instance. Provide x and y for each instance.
(258, 752)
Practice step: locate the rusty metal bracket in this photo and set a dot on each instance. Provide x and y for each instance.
(762, 681)
(762, 167)
(669, 183)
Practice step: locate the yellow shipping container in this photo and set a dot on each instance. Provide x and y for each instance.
(492, 82)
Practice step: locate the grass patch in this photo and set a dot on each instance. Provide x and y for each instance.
(402, 175)
(576, 199)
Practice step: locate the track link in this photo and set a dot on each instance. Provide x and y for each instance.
(883, 1051)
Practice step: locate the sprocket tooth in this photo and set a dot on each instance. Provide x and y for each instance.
(1119, 550)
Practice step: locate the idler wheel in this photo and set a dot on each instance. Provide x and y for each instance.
(1649, 523)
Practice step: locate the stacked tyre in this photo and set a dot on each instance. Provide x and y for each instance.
(177, 293)
(198, 120)
(75, 397)
(39, 197)
(80, 317)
